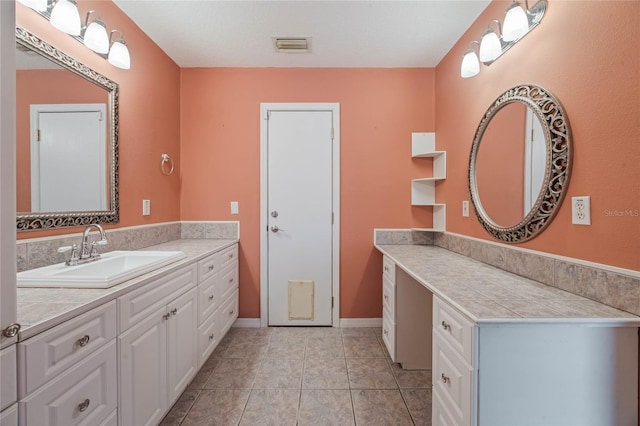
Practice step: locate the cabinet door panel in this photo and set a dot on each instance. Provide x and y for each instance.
(139, 304)
(53, 351)
(83, 395)
(452, 379)
(143, 372)
(455, 328)
(9, 417)
(228, 313)
(182, 342)
(208, 338)
(227, 256)
(389, 334)
(389, 298)
(207, 299)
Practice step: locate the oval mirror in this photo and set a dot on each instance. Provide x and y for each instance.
(520, 163)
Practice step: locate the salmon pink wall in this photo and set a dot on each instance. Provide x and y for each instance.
(44, 87)
(379, 108)
(588, 55)
(149, 113)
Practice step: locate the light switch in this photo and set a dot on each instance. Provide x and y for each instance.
(146, 207)
(234, 207)
(465, 208)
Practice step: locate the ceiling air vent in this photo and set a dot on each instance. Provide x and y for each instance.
(292, 44)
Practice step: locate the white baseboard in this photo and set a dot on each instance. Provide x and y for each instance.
(360, 322)
(247, 323)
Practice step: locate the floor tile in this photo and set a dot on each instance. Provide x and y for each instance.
(324, 332)
(276, 407)
(234, 374)
(286, 347)
(325, 347)
(180, 408)
(380, 407)
(360, 331)
(217, 407)
(325, 408)
(418, 402)
(362, 347)
(245, 349)
(325, 374)
(280, 374)
(411, 379)
(370, 373)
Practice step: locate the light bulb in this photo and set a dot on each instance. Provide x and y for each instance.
(516, 23)
(96, 38)
(470, 64)
(119, 55)
(490, 47)
(65, 17)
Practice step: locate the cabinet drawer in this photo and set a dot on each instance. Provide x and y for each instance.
(53, 351)
(389, 334)
(8, 373)
(389, 298)
(208, 339)
(207, 267)
(455, 328)
(389, 269)
(9, 417)
(227, 256)
(228, 313)
(83, 395)
(137, 305)
(207, 299)
(227, 282)
(452, 378)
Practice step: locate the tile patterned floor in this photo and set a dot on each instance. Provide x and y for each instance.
(303, 376)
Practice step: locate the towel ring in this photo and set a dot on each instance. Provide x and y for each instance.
(166, 159)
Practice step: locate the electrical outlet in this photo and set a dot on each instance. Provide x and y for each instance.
(465, 208)
(146, 207)
(581, 210)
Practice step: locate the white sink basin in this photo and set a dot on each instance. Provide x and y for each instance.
(111, 269)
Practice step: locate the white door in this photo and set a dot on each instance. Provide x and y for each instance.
(534, 160)
(300, 210)
(68, 158)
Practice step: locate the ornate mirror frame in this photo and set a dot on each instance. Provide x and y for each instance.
(41, 221)
(557, 135)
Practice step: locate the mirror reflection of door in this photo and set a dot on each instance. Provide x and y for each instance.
(534, 160)
(68, 157)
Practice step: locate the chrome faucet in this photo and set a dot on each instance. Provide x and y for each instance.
(86, 252)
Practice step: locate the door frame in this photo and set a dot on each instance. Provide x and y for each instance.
(335, 273)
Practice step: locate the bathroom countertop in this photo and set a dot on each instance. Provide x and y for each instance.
(42, 308)
(487, 294)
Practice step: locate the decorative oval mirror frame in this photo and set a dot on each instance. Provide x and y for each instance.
(43, 221)
(557, 137)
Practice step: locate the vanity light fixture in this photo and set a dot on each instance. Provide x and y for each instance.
(64, 15)
(490, 45)
(518, 22)
(94, 35)
(119, 53)
(470, 63)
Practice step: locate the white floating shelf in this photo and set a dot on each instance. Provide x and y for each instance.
(439, 219)
(423, 190)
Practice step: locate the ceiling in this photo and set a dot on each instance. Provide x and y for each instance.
(215, 33)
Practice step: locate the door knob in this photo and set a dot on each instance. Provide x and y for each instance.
(274, 213)
(274, 228)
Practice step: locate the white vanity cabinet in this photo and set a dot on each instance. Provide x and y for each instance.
(501, 373)
(217, 299)
(157, 346)
(9, 387)
(67, 375)
(406, 318)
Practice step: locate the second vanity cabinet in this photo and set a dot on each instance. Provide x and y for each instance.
(157, 345)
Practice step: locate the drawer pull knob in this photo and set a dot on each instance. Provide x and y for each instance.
(83, 341)
(231, 312)
(211, 297)
(82, 407)
(211, 267)
(386, 297)
(230, 280)
(174, 311)
(386, 269)
(166, 316)
(446, 326)
(445, 378)
(230, 255)
(385, 331)
(211, 336)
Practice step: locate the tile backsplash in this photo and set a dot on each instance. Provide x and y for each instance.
(39, 252)
(606, 286)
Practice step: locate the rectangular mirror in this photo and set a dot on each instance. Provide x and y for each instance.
(66, 139)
